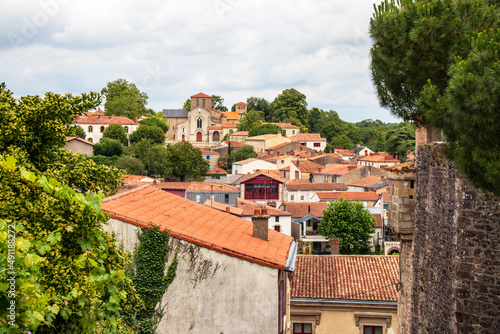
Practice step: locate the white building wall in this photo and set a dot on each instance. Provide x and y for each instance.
(284, 221)
(322, 145)
(251, 167)
(212, 292)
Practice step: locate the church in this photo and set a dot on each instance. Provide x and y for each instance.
(202, 125)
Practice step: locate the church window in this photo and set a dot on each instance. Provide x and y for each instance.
(203, 103)
(199, 123)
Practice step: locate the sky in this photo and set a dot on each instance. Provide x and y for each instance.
(172, 49)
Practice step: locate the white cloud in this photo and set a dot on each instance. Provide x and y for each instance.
(173, 49)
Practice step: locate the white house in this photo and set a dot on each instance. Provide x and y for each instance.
(303, 190)
(250, 166)
(311, 140)
(232, 274)
(280, 221)
(94, 126)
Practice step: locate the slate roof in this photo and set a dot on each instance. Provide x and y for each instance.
(358, 149)
(180, 113)
(350, 195)
(198, 224)
(346, 277)
(294, 185)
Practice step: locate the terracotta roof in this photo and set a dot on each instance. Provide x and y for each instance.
(223, 207)
(333, 155)
(286, 125)
(302, 154)
(241, 103)
(239, 133)
(260, 155)
(246, 161)
(201, 95)
(378, 219)
(350, 195)
(229, 124)
(278, 146)
(216, 170)
(385, 196)
(209, 153)
(345, 152)
(137, 178)
(294, 185)
(346, 277)
(199, 224)
(339, 169)
(366, 181)
(198, 186)
(300, 209)
(235, 143)
(68, 139)
(307, 166)
(94, 113)
(105, 120)
(263, 137)
(378, 158)
(248, 208)
(308, 137)
(285, 168)
(405, 167)
(231, 114)
(247, 177)
(215, 127)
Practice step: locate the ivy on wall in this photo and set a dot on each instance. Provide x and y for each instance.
(147, 272)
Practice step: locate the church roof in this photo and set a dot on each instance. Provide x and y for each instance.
(171, 113)
(201, 95)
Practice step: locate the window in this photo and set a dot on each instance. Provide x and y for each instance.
(203, 103)
(102, 128)
(199, 122)
(292, 197)
(301, 197)
(226, 198)
(261, 191)
(277, 228)
(302, 328)
(277, 219)
(282, 162)
(126, 129)
(372, 329)
(91, 128)
(317, 145)
(89, 140)
(293, 132)
(198, 198)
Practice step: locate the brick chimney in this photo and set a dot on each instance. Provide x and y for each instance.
(260, 224)
(228, 209)
(135, 119)
(335, 246)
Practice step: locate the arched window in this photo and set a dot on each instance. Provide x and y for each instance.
(102, 128)
(126, 129)
(199, 123)
(198, 137)
(203, 103)
(90, 128)
(216, 137)
(89, 140)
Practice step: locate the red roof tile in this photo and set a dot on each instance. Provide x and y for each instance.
(345, 153)
(236, 143)
(198, 224)
(300, 209)
(215, 127)
(201, 95)
(105, 120)
(333, 155)
(350, 195)
(286, 125)
(229, 124)
(216, 170)
(248, 208)
(241, 103)
(308, 137)
(346, 277)
(307, 185)
(339, 169)
(378, 158)
(198, 186)
(231, 114)
(247, 177)
(366, 181)
(68, 139)
(239, 133)
(223, 207)
(307, 166)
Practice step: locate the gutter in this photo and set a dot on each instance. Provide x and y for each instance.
(292, 257)
(343, 301)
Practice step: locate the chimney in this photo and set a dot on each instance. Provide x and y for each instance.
(351, 167)
(335, 246)
(111, 116)
(135, 119)
(260, 224)
(77, 117)
(228, 209)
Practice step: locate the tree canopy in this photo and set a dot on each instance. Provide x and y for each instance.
(243, 154)
(264, 129)
(218, 103)
(184, 159)
(117, 132)
(123, 98)
(153, 133)
(401, 141)
(259, 104)
(290, 106)
(250, 119)
(155, 121)
(351, 223)
(108, 147)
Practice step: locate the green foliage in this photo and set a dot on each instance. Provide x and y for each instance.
(243, 154)
(155, 121)
(259, 104)
(250, 119)
(187, 105)
(117, 132)
(153, 133)
(123, 98)
(155, 160)
(76, 131)
(147, 271)
(351, 223)
(131, 165)
(469, 112)
(78, 269)
(264, 129)
(218, 103)
(416, 41)
(104, 160)
(290, 104)
(184, 159)
(108, 147)
(401, 140)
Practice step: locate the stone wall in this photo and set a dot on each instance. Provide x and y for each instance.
(451, 281)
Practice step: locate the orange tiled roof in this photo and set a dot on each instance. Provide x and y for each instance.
(308, 137)
(223, 207)
(240, 103)
(366, 181)
(408, 166)
(350, 195)
(300, 209)
(239, 133)
(307, 185)
(105, 120)
(247, 177)
(346, 277)
(128, 178)
(345, 152)
(302, 154)
(209, 153)
(201, 95)
(248, 208)
(234, 115)
(339, 169)
(307, 166)
(198, 224)
(378, 219)
(333, 155)
(68, 139)
(197, 186)
(260, 155)
(378, 158)
(229, 124)
(246, 161)
(286, 125)
(278, 146)
(235, 143)
(215, 127)
(385, 196)
(216, 170)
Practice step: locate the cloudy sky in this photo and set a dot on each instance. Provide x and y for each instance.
(172, 49)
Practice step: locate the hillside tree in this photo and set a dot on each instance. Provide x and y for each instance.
(123, 98)
(117, 132)
(290, 106)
